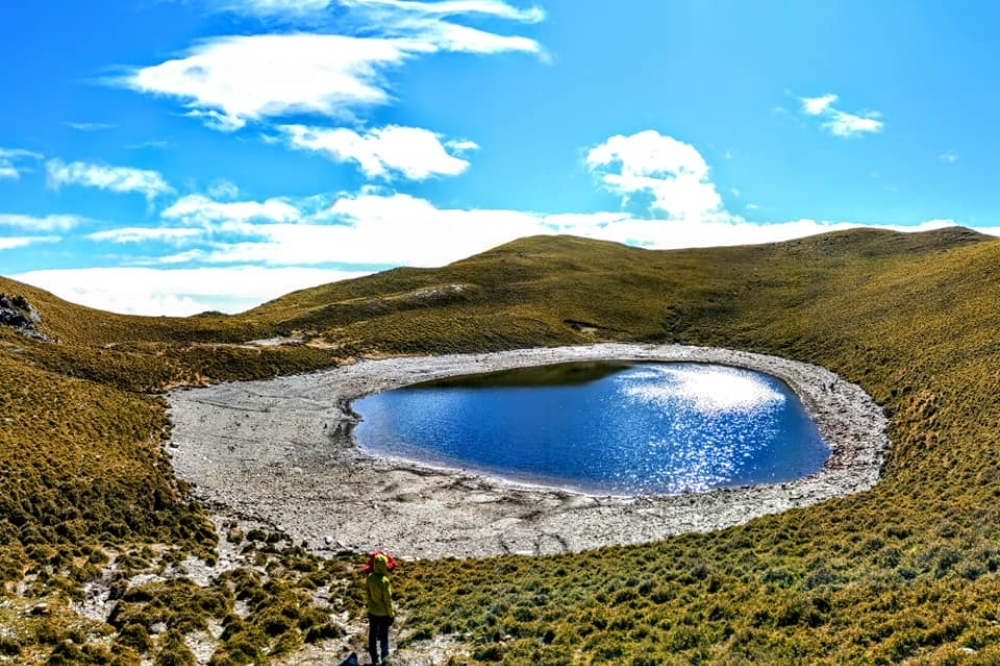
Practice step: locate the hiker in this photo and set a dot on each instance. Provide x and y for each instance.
(378, 590)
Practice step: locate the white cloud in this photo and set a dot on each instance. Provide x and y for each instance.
(949, 157)
(47, 223)
(270, 243)
(461, 146)
(223, 189)
(229, 81)
(13, 153)
(672, 172)
(383, 230)
(144, 234)
(430, 239)
(990, 231)
(232, 80)
(815, 106)
(306, 8)
(177, 292)
(35, 225)
(185, 257)
(840, 123)
(399, 229)
(14, 242)
(493, 8)
(89, 127)
(218, 121)
(152, 143)
(199, 210)
(435, 35)
(116, 179)
(412, 152)
(849, 125)
(9, 159)
(272, 8)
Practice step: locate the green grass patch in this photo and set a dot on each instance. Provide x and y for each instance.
(906, 572)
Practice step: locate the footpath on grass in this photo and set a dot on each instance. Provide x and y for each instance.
(281, 451)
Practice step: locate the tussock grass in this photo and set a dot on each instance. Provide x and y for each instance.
(904, 572)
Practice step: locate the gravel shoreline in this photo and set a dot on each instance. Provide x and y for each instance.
(281, 451)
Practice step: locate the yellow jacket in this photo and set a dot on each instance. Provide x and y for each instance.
(379, 589)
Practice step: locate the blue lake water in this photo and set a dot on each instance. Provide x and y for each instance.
(608, 428)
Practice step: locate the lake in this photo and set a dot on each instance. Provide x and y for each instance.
(617, 428)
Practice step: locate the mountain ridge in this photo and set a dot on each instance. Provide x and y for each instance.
(906, 571)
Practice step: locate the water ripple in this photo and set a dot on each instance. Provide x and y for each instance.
(647, 429)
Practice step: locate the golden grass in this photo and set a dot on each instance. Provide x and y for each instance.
(904, 572)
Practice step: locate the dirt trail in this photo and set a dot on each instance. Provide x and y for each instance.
(281, 451)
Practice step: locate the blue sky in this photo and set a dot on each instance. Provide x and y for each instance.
(176, 156)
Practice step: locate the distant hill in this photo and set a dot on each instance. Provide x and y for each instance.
(561, 289)
(907, 572)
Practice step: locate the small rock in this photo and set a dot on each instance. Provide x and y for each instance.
(40, 609)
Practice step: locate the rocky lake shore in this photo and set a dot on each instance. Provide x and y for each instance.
(281, 452)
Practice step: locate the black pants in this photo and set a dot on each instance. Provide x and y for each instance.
(378, 636)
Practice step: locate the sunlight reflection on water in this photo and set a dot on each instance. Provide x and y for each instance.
(645, 429)
(709, 389)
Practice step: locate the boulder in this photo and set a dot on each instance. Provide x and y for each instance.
(18, 313)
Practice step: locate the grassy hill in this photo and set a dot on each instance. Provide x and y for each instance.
(906, 572)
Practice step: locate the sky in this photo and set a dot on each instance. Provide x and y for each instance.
(169, 157)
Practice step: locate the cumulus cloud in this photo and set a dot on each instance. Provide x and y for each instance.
(948, 157)
(414, 153)
(11, 160)
(671, 172)
(840, 123)
(115, 179)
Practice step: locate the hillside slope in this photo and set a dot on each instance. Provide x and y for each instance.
(907, 571)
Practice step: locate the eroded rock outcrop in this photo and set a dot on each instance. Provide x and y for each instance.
(17, 313)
